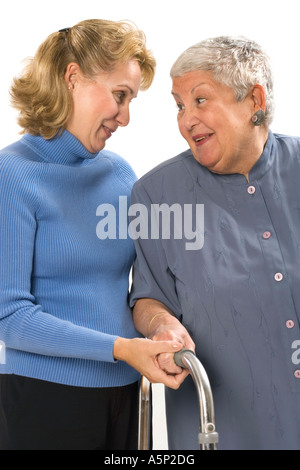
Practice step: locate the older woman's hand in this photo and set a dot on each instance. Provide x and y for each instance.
(166, 327)
(155, 321)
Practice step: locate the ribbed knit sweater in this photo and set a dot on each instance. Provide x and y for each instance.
(63, 290)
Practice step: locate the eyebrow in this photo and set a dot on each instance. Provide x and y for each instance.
(128, 88)
(196, 86)
(175, 94)
(192, 90)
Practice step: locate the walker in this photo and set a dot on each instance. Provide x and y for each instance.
(207, 437)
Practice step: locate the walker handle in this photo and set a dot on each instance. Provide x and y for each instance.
(208, 437)
(178, 357)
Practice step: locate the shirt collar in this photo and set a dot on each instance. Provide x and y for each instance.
(64, 149)
(266, 160)
(261, 167)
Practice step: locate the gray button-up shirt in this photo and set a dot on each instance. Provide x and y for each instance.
(236, 290)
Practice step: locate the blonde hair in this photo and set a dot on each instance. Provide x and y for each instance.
(40, 93)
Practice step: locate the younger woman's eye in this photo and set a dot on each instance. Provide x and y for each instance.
(180, 107)
(120, 96)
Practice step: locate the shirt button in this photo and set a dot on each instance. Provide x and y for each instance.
(251, 189)
(290, 324)
(297, 374)
(278, 277)
(266, 235)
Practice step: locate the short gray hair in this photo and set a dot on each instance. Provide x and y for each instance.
(239, 63)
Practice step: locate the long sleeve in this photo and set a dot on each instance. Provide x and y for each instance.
(24, 324)
(152, 276)
(63, 291)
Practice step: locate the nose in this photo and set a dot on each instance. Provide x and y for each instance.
(123, 117)
(190, 118)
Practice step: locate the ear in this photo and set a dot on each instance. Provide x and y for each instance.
(259, 98)
(72, 74)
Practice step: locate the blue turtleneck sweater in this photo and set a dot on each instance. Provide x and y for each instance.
(63, 290)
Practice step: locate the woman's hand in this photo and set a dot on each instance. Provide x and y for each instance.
(143, 354)
(154, 320)
(166, 327)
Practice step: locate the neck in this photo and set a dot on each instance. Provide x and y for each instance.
(256, 150)
(64, 149)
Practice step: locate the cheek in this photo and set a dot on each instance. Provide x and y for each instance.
(85, 106)
(182, 129)
(105, 108)
(96, 105)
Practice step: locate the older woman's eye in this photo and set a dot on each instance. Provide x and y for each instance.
(200, 100)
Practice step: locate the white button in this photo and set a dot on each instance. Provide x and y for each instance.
(278, 277)
(290, 324)
(297, 374)
(251, 189)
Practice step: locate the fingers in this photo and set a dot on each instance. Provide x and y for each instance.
(171, 381)
(178, 334)
(161, 347)
(157, 374)
(166, 363)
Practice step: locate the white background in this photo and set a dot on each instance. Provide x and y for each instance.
(170, 26)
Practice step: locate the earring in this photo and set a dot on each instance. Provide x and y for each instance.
(258, 117)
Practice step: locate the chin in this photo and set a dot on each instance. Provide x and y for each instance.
(97, 148)
(211, 164)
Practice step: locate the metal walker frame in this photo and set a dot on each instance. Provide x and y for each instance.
(207, 437)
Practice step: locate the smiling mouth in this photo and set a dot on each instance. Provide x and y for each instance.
(201, 138)
(109, 131)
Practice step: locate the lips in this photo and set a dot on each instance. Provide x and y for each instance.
(109, 131)
(201, 138)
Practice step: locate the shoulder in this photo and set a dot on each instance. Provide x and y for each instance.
(18, 154)
(287, 142)
(121, 167)
(174, 165)
(165, 175)
(19, 171)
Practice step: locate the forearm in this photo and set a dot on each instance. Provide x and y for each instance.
(38, 332)
(154, 320)
(148, 313)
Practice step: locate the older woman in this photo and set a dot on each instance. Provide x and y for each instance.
(72, 352)
(234, 297)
